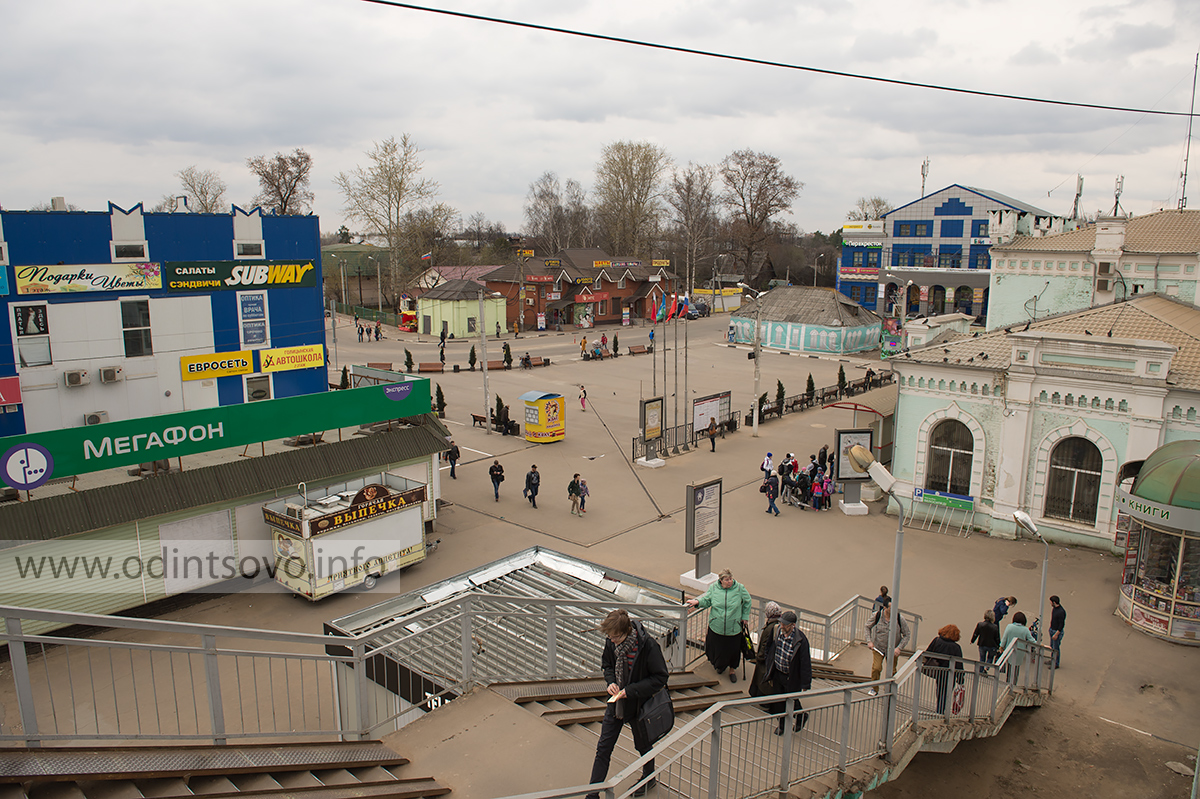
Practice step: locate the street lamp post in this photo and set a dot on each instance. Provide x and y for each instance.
(378, 284)
(862, 460)
(1025, 521)
(757, 348)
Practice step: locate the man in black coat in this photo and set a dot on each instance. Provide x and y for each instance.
(635, 670)
(789, 667)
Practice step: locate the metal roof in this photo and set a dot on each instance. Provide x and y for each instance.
(810, 306)
(1171, 475)
(99, 508)
(455, 290)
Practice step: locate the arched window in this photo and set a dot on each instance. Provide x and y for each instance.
(951, 447)
(1073, 487)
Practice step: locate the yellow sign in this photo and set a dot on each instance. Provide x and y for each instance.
(285, 359)
(218, 364)
(660, 263)
(601, 264)
(525, 253)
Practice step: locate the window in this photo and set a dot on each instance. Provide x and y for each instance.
(951, 449)
(952, 228)
(258, 388)
(856, 293)
(1073, 485)
(603, 308)
(949, 260)
(873, 258)
(871, 293)
(33, 335)
(922, 229)
(621, 283)
(129, 251)
(981, 261)
(904, 230)
(858, 259)
(248, 249)
(135, 324)
(599, 283)
(905, 259)
(979, 228)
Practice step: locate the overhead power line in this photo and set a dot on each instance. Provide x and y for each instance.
(778, 64)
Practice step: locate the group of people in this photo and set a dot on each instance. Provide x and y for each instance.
(782, 658)
(365, 329)
(800, 486)
(577, 489)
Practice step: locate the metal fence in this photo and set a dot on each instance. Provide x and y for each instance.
(674, 439)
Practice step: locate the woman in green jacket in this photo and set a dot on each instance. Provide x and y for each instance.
(728, 602)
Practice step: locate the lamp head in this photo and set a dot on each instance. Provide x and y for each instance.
(1025, 521)
(861, 460)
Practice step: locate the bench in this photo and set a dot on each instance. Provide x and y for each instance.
(638, 349)
(856, 386)
(536, 360)
(827, 394)
(387, 367)
(495, 366)
(764, 413)
(604, 353)
(430, 367)
(478, 420)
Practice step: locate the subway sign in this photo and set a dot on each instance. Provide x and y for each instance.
(30, 460)
(226, 275)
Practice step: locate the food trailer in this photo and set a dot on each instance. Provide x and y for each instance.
(347, 534)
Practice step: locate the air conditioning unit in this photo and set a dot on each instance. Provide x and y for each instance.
(1104, 268)
(95, 417)
(1103, 284)
(77, 377)
(110, 374)
(294, 511)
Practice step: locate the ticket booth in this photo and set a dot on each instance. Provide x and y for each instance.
(545, 416)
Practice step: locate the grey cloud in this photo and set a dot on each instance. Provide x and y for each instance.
(1033, 55)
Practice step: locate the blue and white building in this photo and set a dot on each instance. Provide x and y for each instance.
(934, 254)
(122, 314)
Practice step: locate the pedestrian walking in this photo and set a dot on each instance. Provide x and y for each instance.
(1002, 606)
(573, 494)
(1013, 631)
(946, 643)
(453, 455)
(878, 632)
(789, 668)
(533, 481)
(497, 330)
(359, 332)
(583, 347)
(651, 338)
(712, 432)
(603, 341)
(378, 330)
(583, 495)
(729, 609)
(1058, 622)
(496, 472)
(759, 685)
(987, 637)
(823, 457)
(766, 466)
(634, 670)
(583, 398)
(772, 491)
(442, 353)
(442, 338)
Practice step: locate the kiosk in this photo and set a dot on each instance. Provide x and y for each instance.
(545, 416)
(1158, 526)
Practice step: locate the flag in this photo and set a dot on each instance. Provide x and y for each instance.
(674, 306)
(427, 256)
(662, 310)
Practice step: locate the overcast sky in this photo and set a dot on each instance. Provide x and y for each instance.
(106, 101)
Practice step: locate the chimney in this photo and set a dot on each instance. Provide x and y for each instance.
(58, 203)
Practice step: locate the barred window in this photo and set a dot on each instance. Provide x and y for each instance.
(951, 449)
(1073, 485)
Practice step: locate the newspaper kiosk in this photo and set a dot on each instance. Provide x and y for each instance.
(545, 416)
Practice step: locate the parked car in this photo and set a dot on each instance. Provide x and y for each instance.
(697, 310)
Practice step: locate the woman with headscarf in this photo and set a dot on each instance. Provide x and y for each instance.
(758, 685)
(729, 610)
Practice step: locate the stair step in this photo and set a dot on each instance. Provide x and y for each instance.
(549, 690)
(165, 786)
(562, 718)
(334, 776)
(211, 783)
(384, 789)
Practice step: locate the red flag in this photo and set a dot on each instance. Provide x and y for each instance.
(674, 306)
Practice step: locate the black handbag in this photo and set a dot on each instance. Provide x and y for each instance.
(657, 715)
(747, 643)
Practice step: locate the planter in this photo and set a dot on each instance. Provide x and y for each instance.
(456, 368)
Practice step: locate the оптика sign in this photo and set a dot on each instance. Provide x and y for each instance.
(226, 275)
(30, 460)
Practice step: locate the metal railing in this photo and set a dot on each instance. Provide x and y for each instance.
(181, 681)
(731, 749)
(672, 437)
(829, 634)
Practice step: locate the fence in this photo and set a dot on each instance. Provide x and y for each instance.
(672, 438)
(368, 314)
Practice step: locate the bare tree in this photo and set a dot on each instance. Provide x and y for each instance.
(628, 189)
(867, 208)
(690, 195)
(557, 218)
(756, 191)
(283, 182)
(384, 196)
(204, 189)
(578, 218)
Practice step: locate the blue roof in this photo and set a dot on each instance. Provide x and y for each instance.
(534, 396)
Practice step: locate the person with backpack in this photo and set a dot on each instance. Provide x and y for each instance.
(766, 467)
(818, 492)
(877, 638)
(772, 491)
(573, 494)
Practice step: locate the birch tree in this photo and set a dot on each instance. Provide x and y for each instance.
(385, 196)
(628, 191)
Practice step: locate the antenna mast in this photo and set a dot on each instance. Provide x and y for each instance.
(925, 163)
(1117, 194)
(1188, 148)
(1078, 195)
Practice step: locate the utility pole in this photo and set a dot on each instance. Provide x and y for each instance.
(757, 348)
(487, 399)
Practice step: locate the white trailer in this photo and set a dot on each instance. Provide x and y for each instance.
(339, 536)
